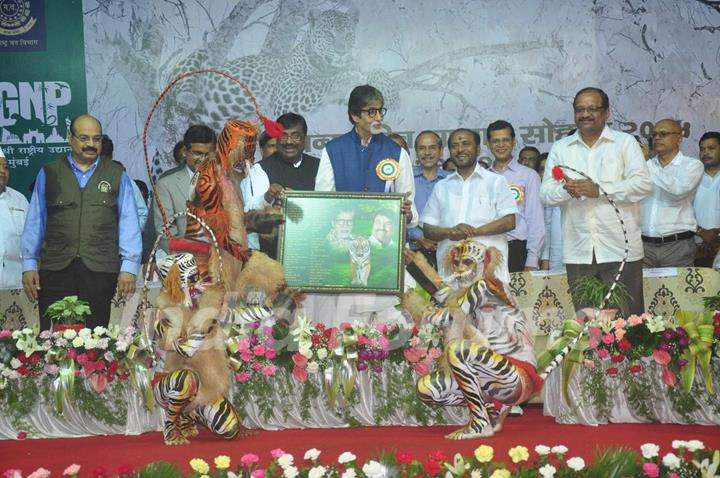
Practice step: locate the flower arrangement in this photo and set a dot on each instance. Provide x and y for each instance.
(252, 352)
(688, 459)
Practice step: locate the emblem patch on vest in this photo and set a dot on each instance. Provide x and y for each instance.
(518, 193)
(104, 187)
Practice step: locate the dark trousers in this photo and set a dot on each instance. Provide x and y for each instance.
(517, 255)
(631, 278)
(97, 288)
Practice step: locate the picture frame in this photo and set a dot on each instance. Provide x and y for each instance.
(342, 242)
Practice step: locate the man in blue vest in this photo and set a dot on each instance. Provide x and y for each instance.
(350, 162)
(82, 235)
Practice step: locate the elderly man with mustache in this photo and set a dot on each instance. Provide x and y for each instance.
(82, 235)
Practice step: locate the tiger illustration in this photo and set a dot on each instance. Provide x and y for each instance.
(359, 248)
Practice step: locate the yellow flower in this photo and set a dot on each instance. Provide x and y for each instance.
(199, 465)
(484, 453)
(204, 476)
(222, 462)
(502, 473)
(518, 454)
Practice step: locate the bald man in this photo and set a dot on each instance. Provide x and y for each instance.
(667, 216)
(82, 235)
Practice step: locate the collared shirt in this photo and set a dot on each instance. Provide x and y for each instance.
(530, 221)
(129, 237)
(405, 183)
(13, 208)
(590, 225)
(423, 189)
(669, 209)
(253, 188)
(707, 202)
(552, 250)
(478, 200)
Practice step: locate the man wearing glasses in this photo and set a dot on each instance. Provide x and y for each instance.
(593, 239)
(173, 189)
(667, 215)
(82, 235)
(288, 168)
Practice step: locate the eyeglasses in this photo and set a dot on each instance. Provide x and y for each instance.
(663, 134)
(344, 222)
(201, 155)
(294, 137)
(88, 139)
(373, 112)
(593, 110)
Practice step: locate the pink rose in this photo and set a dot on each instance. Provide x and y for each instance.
(256, 366)
(246, 356)
(413, 342)
(593, 342)
(619, 323)
(270, 354)
(299, 359)
(669, 378)
(269, 370)
(603, 353)
(413, 355)
(5, 333)
(362, 340)
(72, 353)
(594, 331)
(619, 333)
(422, 368)
(332, 342)
(384, 343)
(651, 470)
(300, 374)
(435, 352)
(21, 435)
(589, 363)
(345, 325)
(258, 474)
(259, 350)
(243, 345)
(277, 453)
(661, 357)
(634, 320)
(242, 377)
(382, 328)
(249, 459)
(608, 339)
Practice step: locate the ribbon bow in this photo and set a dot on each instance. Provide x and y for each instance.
(343, 368)
(700, 330)
(570, 329)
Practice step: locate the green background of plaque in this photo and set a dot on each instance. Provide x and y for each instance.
(311, 261)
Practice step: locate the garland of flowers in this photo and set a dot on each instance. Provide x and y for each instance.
(688, 459)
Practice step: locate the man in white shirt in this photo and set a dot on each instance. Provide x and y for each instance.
(593, 239)
(13, 209)
(471, 203)
(707, 201)
(667, 216)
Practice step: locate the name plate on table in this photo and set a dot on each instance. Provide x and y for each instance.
(661, 272)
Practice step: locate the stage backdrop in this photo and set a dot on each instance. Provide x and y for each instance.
(42, 82)
(440, 65)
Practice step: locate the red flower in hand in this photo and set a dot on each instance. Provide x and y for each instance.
(273, 128)
(557, 173)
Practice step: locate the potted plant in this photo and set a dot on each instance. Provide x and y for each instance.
(590, 291)
(68, 313)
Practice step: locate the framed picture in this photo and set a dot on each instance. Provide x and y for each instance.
(342, 242)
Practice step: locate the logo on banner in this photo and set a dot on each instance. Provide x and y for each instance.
(15, 17)
(518, 193)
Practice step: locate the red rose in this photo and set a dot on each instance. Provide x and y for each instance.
(21, 435)
(438, 455)
(328, 332)
(624, 344)
(320, 327)
(618, 358)
(34, 359)
(315, 340)
(22, 357)
(113, 367)
(557, 173)
(91, 354)
(635, 368)
(22, 370)
(404, 457)
(122, 376)
(431, 467)
(612, 371)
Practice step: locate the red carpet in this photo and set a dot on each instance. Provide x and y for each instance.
(528, 430)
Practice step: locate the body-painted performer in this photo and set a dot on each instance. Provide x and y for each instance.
(194, 388)
(489, 363)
